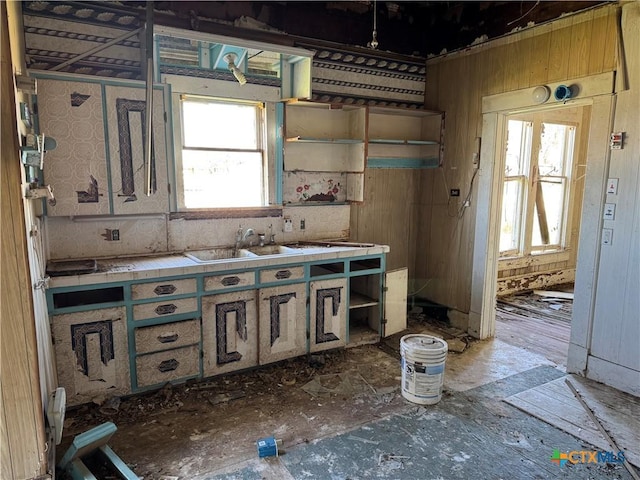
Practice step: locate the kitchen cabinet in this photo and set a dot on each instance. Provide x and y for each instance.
(98, 165)
(328, 314)
(92, 353)
(166, 333)
(324, 142)
(401, 138)
(133, 334)
(282, 322)
(229, 332)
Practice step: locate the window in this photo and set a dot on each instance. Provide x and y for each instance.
(537, 176)
(223, 160)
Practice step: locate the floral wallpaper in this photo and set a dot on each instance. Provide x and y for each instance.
(301, 187)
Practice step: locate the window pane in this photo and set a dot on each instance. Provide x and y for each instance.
(553, 146)
(518, 147)
(222, 179)
(550, 196)
(220, 125)
(511, 207)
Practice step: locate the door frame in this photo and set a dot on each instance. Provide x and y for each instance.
(596, 91)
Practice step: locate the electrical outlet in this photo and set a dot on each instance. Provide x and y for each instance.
(288, 225)
(607, 236)
(455, 192)
(112, 235)
(302, 224)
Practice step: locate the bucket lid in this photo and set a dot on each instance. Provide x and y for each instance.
(423, 342)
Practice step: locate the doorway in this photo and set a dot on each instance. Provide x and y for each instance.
(542, 169)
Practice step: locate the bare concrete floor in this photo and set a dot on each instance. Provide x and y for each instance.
(351, 422)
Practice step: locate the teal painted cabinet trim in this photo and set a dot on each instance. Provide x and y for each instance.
(279, 160)
(391, 162)
(107, 150)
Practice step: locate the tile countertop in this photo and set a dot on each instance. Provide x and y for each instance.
(149, 267)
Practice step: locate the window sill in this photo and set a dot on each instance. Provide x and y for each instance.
(248, 212)
(534, 258)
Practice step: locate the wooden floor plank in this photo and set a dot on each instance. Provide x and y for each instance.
(593, 438)
(548, 340)
(620, 405)
(555, 404)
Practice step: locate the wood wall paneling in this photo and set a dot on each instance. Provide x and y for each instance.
(22, 435)
(544, 54)
(386, 216)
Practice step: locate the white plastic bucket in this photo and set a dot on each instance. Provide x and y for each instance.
(423, 361)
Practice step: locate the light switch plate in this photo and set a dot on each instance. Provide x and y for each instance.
(612, 186)
(288, 225)
(607, 236)
(609, 211)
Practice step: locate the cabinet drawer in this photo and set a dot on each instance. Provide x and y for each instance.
(162, 309)
(281, 274)
(160, 289)
(162, 367)
(230, 280)
(169, 335)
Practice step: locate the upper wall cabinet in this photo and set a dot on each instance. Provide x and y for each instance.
(98, 165)
(126, 130)
(324, 153)
(324, 138)
(401, 138)
(71, 113)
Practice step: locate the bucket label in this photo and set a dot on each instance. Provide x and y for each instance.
(422, 380)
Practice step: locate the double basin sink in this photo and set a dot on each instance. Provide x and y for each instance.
(217, 254)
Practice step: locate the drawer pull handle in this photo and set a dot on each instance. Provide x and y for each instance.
(166, 309)
(168, 365)
(168, 338)
(165, 289)
(282, 274)
(229, 281)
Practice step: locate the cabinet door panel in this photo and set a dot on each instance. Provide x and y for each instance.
(328, 314)
(395, 301)
(71, 113)
(229, 332)
(282, 322)
(92, 354)
(126, 125)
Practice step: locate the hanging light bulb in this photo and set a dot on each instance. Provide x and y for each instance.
(373, 44)
(231, 60)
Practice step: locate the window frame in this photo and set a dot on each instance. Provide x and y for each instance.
(264, 124)
(531, 179)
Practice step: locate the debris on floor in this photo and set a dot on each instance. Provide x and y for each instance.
(540, 304)
(217, 421)
(392, 462)
(419, 322)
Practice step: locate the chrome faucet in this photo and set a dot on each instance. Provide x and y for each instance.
(272, 236)
(248, 233)
(241, 239)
